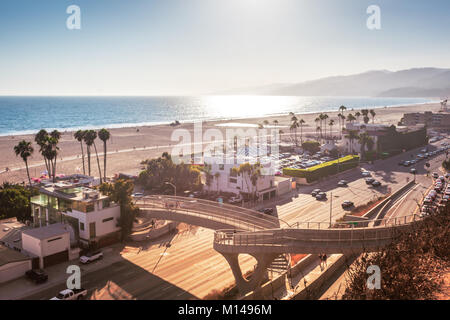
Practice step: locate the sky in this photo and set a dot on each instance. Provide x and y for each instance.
(192, 47)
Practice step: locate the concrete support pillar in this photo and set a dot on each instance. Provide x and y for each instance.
(244, 286)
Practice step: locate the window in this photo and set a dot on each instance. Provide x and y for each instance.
(82, 226)
(54, 239)
(90, 208)
(106, 203)
(221, 167)
(233, 180)
(107, 219)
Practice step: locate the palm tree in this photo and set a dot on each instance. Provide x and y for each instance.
(342, 109)
(358, 114)
(55, 135)
(25, 150)
(351, 118)
(331, 124)
(373, 114)
(317, 120)
(301, 123)
(41, 140)
(325, 117)
(352, 135)
(294, 126)
(275, 122)
(104, 135)
(363, 140)
(254, 177)
(318, 129)
(79, 135)
(89, 138)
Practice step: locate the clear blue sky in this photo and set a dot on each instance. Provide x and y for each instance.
(159, 47)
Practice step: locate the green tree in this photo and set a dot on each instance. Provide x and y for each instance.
(120, 192)
(311, 146)
(352, 136)
(15, 202)
(25, 150)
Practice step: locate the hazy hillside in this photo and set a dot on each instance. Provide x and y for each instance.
(419, 82)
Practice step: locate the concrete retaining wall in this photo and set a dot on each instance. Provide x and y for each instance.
(280, 281)
(312, 290)
(154, 233)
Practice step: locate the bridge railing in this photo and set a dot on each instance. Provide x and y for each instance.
(383, 222)
(326, 237)
(209, 210)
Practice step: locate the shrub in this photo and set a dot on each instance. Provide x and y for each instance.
(324, 169)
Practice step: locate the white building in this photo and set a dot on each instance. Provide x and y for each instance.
(51, 244)
(373, 130)
(13, 264)
(93, 217)
(223, 180)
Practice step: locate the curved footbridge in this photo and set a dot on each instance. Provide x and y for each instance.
(244, 231)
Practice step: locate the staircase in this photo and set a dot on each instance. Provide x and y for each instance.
(280, 264)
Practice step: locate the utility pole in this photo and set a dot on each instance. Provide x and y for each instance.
(331, 206)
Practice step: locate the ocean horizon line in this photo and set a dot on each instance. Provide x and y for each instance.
(188, 121)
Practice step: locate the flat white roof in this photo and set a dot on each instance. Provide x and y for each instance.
(46, 232)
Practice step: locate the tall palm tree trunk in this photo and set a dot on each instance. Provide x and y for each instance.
(28, 172)
(89, 158)
(82, 156)
(98, 163)
(104, 161)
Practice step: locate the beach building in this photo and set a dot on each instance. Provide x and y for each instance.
(224, 180)
(374, 130)
(440, 120)
(11, 233)
(92, 216)
(13, 264)
(49, 245)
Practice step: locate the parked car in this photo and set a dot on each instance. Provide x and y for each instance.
(137, 195)
(321, 196)
(315, 192)
(268, 211)
(37, 276)
(376, 183)
(369, 180)
(71, 294)
(413, 170)
(342, 183)
(435, 175)
(366, 174)
(91, 257)
(347, 204)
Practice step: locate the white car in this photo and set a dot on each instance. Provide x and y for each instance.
(91, 257)
(69, 294)
(366, 174)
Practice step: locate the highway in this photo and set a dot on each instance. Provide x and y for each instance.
(185, 265)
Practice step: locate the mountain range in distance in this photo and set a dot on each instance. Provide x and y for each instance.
(417, 82)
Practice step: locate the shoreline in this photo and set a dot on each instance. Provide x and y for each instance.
(165, 123)
(130, 145)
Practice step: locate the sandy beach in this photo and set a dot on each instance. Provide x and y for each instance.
(129, 146)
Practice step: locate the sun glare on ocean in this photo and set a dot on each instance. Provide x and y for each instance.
(245, 106)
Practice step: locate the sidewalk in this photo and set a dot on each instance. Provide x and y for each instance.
(302, 282)
(22, 287)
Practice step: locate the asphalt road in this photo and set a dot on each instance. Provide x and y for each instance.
(185, 266)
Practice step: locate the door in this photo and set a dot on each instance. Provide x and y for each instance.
(92, 230)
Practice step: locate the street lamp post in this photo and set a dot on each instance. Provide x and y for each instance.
(331, 206)
(173, 187)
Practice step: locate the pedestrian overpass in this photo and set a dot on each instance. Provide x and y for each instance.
(245, 231)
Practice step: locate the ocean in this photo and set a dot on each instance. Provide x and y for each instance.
(25, 115)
